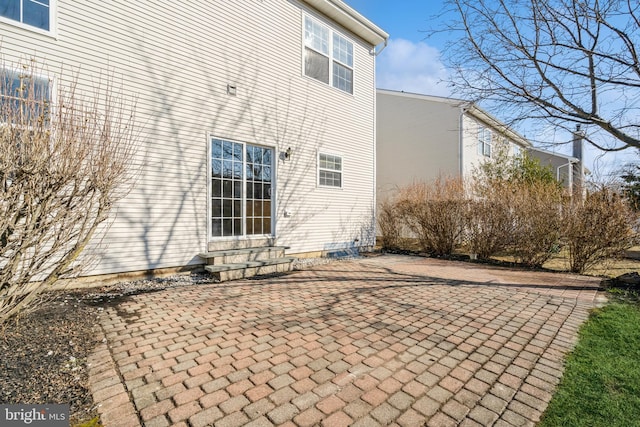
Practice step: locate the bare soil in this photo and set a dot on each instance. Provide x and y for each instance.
(44, 352)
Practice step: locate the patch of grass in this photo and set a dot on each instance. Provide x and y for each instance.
(601, 383)
(93, 422)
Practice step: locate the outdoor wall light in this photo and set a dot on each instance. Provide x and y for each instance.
(232, 89)
(287, 154)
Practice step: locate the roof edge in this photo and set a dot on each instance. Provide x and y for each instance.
(350, 19)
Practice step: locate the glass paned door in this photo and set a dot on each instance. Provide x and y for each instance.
(241, 182)
(258, 190)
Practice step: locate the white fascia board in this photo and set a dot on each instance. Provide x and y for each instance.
(349, 18)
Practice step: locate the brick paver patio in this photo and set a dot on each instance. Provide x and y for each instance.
(388, 340)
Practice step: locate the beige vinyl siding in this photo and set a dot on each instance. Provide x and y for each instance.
(177, 58)
(418, 139)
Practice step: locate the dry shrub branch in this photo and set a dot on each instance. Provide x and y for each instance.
(598, 228)
(514, 207)
(435, 213)
(63, 165)
(390, 225)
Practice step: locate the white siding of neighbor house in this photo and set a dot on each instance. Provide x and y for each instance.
(471, 158)
(177, 58)
(418, 139)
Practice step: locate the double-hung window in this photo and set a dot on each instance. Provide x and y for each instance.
(329, 170)
(33, 13)
(328, 56)
(484, 141)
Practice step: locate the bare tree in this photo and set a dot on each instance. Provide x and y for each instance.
(564, 62)
(63, 165)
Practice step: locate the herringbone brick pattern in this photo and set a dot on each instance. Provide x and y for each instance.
(389, 340)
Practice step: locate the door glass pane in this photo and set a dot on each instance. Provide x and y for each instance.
(227, 227)
(227, 188)
(216, 188)
(216, 227)
(227, 208)
(257, 226)
(216, 208)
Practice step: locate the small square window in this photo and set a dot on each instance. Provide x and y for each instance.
(329, 170)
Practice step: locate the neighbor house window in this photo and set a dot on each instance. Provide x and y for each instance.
(328, 56)
(329, 170)
(484, 141)
(34, 13)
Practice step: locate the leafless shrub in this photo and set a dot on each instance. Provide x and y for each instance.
(62, 168)
(435, 213)
(597, 228)
(537, 222)
(390, 225)
(490, 225)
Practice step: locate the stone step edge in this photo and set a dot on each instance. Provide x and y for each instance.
(249, 264)
(228, 252)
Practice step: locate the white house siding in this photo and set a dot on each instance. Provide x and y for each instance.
(177, 58)
(471, 158)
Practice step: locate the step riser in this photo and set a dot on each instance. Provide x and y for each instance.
(237, 258)
(224, 276)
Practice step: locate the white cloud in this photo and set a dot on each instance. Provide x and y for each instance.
(411, 67)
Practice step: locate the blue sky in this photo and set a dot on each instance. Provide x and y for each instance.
(411, 62)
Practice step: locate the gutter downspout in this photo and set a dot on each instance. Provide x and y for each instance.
(570, 163)
(463, 111)
(377, 52)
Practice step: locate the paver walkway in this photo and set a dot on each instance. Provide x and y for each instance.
(387, 340)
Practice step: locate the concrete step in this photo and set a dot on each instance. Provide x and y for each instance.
(233, 256)
(242, 270)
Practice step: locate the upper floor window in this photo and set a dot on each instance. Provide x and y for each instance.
(484, 141)
(329, 170)
(328, 56)
(35, 13)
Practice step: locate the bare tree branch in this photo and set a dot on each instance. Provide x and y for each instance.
(562, 62)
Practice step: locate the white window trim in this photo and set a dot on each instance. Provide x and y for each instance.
(53, 22)
(341, 171)
(331, 57)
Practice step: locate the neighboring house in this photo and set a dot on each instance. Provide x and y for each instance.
(565, 168)
(422, 137)
(257, 118)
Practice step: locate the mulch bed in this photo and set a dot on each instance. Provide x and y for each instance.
(44, 352)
